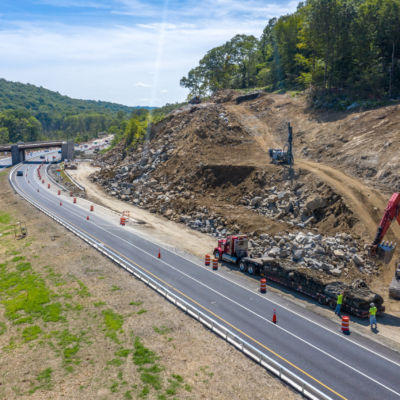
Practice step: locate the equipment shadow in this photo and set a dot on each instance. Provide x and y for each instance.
(384, 319)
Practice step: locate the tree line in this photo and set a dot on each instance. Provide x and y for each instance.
(30, 113)
(339, 47)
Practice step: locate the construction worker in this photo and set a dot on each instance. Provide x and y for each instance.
(372, 316)
(339, 303)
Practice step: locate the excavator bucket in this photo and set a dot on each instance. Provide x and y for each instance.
(385, 252)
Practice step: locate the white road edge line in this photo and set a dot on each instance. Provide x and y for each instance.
(245, 308)
(260, 296)
(253, 312)
(90, 241)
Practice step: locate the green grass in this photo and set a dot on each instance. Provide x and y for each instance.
(142, 355)
(44, 379)
(113, 323)
(70, 345)
(5, 218)
(115, 288)
(162, 330)
(31, 333)
(153, 380)
(136, 303)
(83, 291)
(114, 387)
(3, 328)
(123, 352)
(18, 258)
(116, 362)
(112, 320)
(25, 296)
(142, 311)
(128, 395)
(99, 303)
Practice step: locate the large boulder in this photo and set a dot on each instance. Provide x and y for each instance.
(315, 203)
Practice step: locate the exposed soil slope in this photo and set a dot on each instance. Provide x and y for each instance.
(207, 166)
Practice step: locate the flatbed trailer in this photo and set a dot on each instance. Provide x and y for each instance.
(356, 300)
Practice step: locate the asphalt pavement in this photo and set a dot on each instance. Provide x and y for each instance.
(311, 346)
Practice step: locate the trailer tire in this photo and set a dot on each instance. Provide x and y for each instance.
(251, 270)
(321, 300)
(332, 304)
(242, 266)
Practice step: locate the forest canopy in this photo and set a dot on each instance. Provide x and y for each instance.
(30, 113)
(344, 47)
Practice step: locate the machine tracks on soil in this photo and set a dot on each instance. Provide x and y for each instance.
(366, 203)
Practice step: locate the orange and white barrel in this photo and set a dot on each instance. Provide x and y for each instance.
(122, 221)
(207, 259)
(48, 186)
(215, 264)
(346, 324)
(263, 285)
(70, 194)
(92, 207)
(59, 192)
(74, 200)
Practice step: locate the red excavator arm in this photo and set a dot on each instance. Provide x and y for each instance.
(392, 211)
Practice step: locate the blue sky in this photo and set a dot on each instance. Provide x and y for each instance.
(132, 52)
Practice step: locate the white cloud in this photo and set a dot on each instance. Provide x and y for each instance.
(141, 84)
(127, 64)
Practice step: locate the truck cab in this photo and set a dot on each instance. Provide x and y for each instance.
(232, 248)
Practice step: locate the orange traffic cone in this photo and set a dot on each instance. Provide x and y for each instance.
(159, 254)
(274, 317)
(87, 218)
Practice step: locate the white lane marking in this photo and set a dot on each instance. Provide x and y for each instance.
(262, 297)
(250, 311)
(89, 239)
(254, 313)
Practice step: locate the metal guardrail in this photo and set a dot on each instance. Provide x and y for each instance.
(297, 383)
(78, 185)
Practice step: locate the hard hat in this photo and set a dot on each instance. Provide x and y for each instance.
(372, 304)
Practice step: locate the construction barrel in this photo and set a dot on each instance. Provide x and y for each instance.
(346, 324)
(215, 264)
(263, 285)
(207, 259)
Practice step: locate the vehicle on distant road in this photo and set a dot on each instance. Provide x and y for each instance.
(20, 173)
(41, 157)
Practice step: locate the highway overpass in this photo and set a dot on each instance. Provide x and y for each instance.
(18, 150)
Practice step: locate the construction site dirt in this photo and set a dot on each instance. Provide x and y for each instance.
(207, 166)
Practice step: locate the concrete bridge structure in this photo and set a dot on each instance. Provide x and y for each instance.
(18, 150)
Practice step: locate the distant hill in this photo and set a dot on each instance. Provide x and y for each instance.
(29, 112)
(16, 95)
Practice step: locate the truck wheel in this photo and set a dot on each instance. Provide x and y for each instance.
(242, 267)
(332, 304)
(251, 270)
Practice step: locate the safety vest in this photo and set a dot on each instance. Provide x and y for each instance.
(340, 299)
(372, 311)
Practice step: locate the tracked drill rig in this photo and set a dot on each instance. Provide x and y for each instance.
(285, 155)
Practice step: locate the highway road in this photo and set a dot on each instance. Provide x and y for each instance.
(30, 156)
(312, 347)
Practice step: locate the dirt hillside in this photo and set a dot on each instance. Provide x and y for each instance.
(207, 166)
